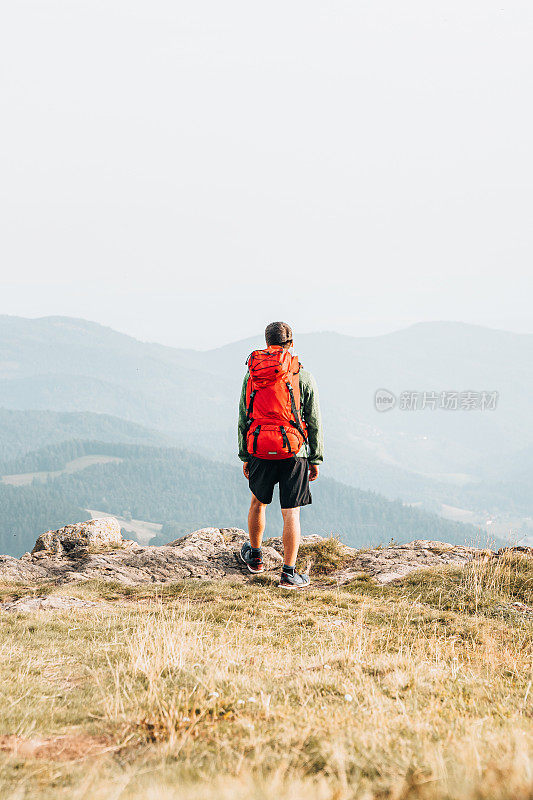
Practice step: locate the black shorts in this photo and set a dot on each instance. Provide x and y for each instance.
(292, 474)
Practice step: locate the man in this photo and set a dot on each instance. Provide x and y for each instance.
(280, 441)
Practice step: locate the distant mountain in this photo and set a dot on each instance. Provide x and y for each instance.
(65, 364)
(23, 431)
(184, 491)
(507, 484)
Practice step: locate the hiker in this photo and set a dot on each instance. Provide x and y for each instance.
(280, 441)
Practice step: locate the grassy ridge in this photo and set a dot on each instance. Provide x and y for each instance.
(231, 690)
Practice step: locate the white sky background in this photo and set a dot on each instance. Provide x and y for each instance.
(188, 170)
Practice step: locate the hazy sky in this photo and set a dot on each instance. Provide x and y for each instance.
(188, 170)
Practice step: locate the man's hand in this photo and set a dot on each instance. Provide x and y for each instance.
(313, 472)
(246, 470)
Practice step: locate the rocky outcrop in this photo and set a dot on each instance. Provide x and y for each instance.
(97, 534)
(387, 564)
(206, 554)
(95, 549)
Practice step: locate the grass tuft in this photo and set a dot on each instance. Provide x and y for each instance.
(324, 557)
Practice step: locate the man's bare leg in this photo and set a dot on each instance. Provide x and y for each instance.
(256, 522)
(291, 535)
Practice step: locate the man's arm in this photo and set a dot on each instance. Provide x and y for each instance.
(313, 419)
(241, 427)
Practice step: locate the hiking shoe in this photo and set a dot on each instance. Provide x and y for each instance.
(254, 565)
(296, 581)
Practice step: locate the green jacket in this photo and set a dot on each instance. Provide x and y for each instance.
(310, 410)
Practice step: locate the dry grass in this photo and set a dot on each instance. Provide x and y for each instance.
(239, 691)
(323, 557)
(480, 588)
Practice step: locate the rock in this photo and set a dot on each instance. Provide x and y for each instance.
(46, 604)
(215, 543)
(15, 569)
(130, 544)
(95, 533)
(96, 550)
(206, 554)
(519, 548)
(392, 563)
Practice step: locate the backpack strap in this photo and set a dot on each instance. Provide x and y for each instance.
(256, 434)
(249, 418)
(297, 423)
(285, 438)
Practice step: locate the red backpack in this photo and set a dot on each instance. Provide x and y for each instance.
(275, 427)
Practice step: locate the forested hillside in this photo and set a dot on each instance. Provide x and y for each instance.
(184, 491)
